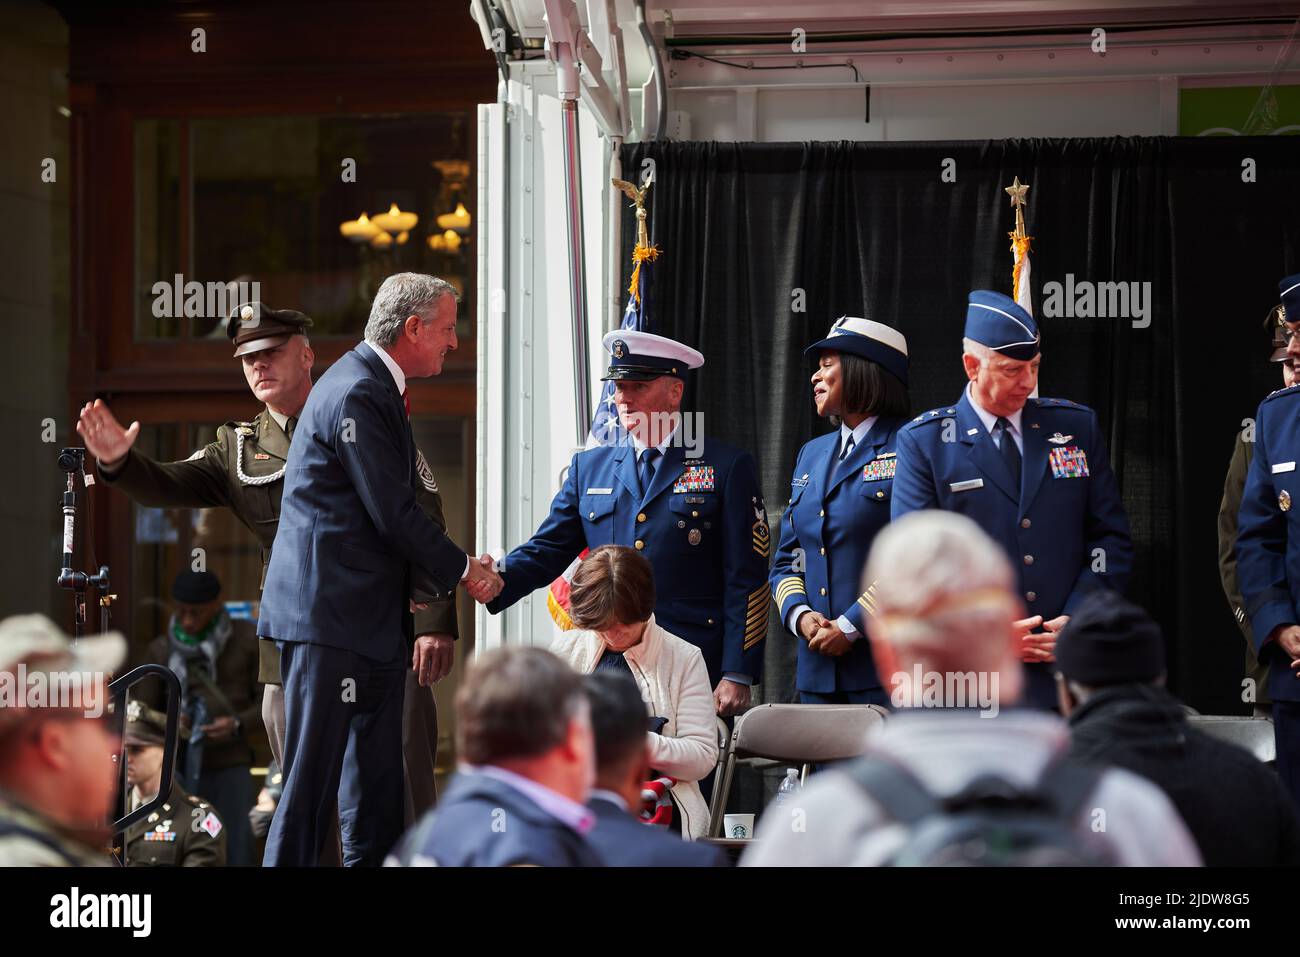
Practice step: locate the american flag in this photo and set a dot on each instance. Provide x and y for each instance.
(605, 426)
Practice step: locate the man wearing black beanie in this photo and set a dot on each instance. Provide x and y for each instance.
(1110, 674)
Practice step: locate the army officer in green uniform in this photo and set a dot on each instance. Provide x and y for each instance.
(243, 470)
(1233, 487)
(186, 831)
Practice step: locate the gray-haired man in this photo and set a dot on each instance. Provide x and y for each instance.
(351, 543)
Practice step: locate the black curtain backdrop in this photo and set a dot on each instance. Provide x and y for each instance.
(873, 230)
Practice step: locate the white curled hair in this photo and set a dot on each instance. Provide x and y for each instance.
(977, 349)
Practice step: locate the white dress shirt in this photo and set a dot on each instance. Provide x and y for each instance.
(991, 421)
(399, 378)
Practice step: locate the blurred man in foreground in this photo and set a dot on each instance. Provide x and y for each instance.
(946, 642)
(58, 778)
(524, 734)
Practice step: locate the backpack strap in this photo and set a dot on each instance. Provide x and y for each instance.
(1067, 785)
(904, 798)
(13, 828)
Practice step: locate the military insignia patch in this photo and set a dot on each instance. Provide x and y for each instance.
(1071, 462)
(1284, 501)
(756, 617)
(426, 473)
(762, 537)
(1059, 439)
(696, 478)
(211, 824)
(694, 536)
(878, 470)
(260, 456)
(165, 836)
(620, 348)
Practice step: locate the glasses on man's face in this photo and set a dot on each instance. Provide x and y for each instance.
(1289, 333)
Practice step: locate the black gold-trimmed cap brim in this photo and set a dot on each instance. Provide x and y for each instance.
(636, 374)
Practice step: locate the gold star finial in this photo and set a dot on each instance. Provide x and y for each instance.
(1017, 192)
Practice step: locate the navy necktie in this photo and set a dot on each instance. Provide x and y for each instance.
(645, 469)
(844, 454)
(1007, 446)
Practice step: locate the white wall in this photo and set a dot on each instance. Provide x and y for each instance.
(527, 413)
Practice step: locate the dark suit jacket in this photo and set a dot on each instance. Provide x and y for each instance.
(623, 841)
(350, 526)
(482, 822)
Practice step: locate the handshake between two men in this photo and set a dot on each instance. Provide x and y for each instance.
(481, 580)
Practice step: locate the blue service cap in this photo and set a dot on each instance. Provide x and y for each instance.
(998, 322)
(882, 344)
(1290, 296)
(642, 356)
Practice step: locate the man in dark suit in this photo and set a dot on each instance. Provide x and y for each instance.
(351, 543)
(524, 736)
(620, 727)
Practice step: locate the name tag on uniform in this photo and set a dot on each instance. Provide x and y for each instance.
(965, 486)
(600, 491)
(1283, 467)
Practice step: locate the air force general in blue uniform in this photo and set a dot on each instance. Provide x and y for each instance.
(840, 498)
(1268, 549)
(1036, 478)
(695, 513)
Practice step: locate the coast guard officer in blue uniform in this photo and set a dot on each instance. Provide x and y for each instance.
(1032, 472)
(1268, 549)
(690, 504)
(839, 498)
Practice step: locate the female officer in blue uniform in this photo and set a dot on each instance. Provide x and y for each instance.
(839, 499)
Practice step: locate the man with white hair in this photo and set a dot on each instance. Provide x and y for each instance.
(945, 640)
(1032, 472)
(351, 543)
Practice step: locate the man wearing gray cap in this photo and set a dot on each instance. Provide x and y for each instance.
(58, 778)
(946, 642)
(1110, 676)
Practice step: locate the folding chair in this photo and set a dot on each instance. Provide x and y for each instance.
(803, 734)
(1253, 734)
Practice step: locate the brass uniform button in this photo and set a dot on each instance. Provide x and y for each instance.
(639, 544)
(1031, 596)
(695, 514)
(823, 591)
(822, 549)
(1025, 523)
(641, 517)
(880, 495)
(710, 621)
(821, 513)
(591, 514)
(1029, 559)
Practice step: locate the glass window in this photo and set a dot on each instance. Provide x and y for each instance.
(166, 539)
(252, 207)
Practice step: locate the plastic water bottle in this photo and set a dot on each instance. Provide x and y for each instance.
(788, 787)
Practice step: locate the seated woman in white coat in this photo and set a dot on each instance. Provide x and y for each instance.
(611, 603)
